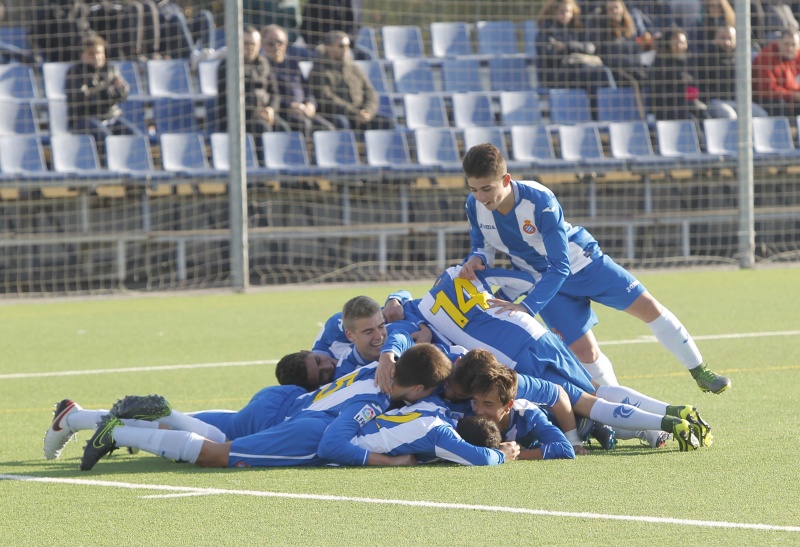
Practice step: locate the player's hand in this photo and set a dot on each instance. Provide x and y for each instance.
(384, 374)
(469, 268)
(579, 449)
(504, 306)
(510, 450)
(393, 310)
(423, 335)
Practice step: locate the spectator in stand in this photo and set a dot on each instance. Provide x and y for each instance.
(322, 16)
(613, 31)
(261, 94)
(674, 94)
(56, 29)
(344, 93)
(714, 14)
(297, 104)
(716, 75)
(653, 16)
(563, 56)
(94, 90)
(775, 72)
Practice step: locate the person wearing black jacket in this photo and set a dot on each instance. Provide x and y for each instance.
(674, 94)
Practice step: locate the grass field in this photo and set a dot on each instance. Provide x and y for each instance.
(740, 491)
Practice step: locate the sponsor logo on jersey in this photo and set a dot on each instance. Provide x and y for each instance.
(632, 286)
(487, 226)
(365, 415)
(528, 227)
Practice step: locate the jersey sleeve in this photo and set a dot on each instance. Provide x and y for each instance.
(451, 447)
(401, 296)
(336, 446)
(536, 390)
(550, 222)
(397, 342)
(331, 339)
(551, 439)
(480, 248)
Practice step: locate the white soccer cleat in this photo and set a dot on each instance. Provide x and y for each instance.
(654, 438)
(58, 434)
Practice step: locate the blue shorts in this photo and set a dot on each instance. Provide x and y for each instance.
(292, 443)
(545, 393)
(266, 409)
(570, 314)
(549, 359)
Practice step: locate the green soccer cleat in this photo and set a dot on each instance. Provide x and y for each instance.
(141, 407)
(701, 428)
(709, 380)
(101, 443)
(683, 432)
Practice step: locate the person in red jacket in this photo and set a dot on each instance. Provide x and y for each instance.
(775, 72)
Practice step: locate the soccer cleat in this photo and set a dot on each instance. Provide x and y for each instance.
(101, 443)
(709, 380)
(653, 437)
(683, 432)
(58, 434)
(584, 428)
(701, 428)
(604, 435)
(141, 407)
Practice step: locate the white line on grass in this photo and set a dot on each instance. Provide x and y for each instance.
(641, 340)
(184, 490)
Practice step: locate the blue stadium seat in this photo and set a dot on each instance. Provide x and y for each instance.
(367, 42)
(617, 105)
(520, 108)
(17, 81)
(630, 141)
(471, 109)
(721, 137)
(438, 149)
(54, 76)
(402, 42)
(220, 159)
(530, 30)
(413, 76)
(678, 139)
(170, 78)
(185, 154)
(450, 39)
(582, 143)
(129, 70)
(286, 154)
(533, 144)
(130, 155)
(23, 156)
(17, 118)
(772, 142)
(76, 155)
(338, 151)
(57, 117)
(569, 106)
(509, 74)
(388, 149)
(461, 75)
(497, 38)
(376, 74)
(425, 110)
(15, 36)
(495, 136)
(172, 115)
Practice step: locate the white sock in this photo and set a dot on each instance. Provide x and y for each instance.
(146, 424)
(625, 434)
(182, 422)
(572, 437)
(79, 420)
(622, 394)
(175, 445)
(674, 336)
(623, 416)
(601, 371)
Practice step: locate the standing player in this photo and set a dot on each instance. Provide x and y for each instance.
(524, 220)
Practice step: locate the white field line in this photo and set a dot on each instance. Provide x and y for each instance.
(184, 490)
(641, 340)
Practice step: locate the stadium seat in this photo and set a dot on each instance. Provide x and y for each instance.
(170, 78)
(57, 117)
(23, 156)
(185, 154)
(337, 150)
(617, 105)
(17, 118)
(495, 136)
(471, 109)
(425, 110)
(220, 159)
(54, 76)
(129, 71)
(450, 39)
(16, 37)
(569, 106)
(772, 140)
(76, 155)
(207, 76)
(286, 154)
(367, 42)
(438, 149)
(402, 42)
(17, 81)
(509, 74)
(630, 141)
(413, 76)
(388, 149)
(581, 143)
(130, 155)
(520, 108)
(530, 30)
(497, 38)
(532, 144)
(721, 137)
(376, 74)
(172, 115)
(461, 75)
(134, 112)
(678, 139)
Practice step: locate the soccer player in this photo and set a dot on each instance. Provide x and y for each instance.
(459, 310)
(319, 427)
(524, 220)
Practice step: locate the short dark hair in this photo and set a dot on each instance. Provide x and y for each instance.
(501, 379)
(483, 161)
(359, 307)
(291, 370)
(479, 431)
(422, 364)
(470, 364)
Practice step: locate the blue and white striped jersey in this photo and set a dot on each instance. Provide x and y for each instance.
(530, 427)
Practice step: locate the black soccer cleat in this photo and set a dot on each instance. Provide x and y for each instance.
(141, 407)
(101, 443)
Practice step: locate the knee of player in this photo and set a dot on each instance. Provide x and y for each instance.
(214, 454)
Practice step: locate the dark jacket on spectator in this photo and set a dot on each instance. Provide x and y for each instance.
(341, 88)
(550, 61)
(292, 87)
(670, 80)
(716, 74)
(94, 92)
(618, 51)
(260, 89)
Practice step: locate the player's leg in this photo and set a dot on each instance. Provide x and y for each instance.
(292, 443)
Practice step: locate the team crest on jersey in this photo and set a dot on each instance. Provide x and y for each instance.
(365, 414)
(528, 227)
